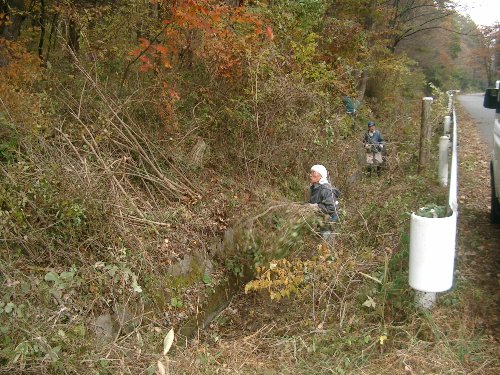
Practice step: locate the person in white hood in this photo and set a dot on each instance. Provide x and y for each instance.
(322, 194)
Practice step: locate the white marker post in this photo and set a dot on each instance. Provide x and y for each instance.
(444, 142)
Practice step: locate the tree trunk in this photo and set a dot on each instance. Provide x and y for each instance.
(364, 75)
(73, 36)
(41, 21)
(362, 85)
(53, 26)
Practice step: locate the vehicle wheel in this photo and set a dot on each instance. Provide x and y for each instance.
(495, 205)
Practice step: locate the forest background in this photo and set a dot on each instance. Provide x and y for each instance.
(135, 135)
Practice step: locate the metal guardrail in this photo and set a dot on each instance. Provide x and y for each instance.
(433, 240)
(453, 191)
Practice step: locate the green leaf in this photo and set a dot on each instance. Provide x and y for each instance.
(51, 276)
(207, 279)
(67, 276)
(79, 330)
(432, 211)
(25, 287)
(136, 287)
(9, 307)
(176, 302)
(53, 353)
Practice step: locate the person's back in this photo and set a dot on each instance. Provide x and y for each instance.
(322, 195)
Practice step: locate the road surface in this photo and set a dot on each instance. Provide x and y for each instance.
(483, 117)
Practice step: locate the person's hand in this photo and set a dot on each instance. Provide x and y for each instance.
(313, 205)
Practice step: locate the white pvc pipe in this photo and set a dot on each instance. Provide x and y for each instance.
(447, 122)
(450, 102)
(432, 252)
(444, 142)
(453, 192)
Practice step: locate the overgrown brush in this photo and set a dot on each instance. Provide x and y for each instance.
(86, 211)
(108, 184)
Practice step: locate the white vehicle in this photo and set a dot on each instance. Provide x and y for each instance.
(492, 101)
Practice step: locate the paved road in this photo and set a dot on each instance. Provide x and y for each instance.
(483, 117)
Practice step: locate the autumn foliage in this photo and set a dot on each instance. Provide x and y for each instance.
(151, 150)
(206, 30)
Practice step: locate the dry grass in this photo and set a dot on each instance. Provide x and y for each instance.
(258, 336)
(131, 201)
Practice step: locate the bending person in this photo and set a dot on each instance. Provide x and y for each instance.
(322, 194)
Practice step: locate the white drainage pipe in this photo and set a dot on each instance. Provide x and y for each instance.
(432, 252)
(444, 142)
(447, 123)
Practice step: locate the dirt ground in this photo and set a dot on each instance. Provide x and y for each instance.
(478, 240)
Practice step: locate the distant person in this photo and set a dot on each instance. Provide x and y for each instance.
(322, 194)
(374, 143)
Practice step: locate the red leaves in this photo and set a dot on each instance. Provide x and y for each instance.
(161, 49)
(146, 64)
(227, 33)
(207, 32)
(143, 42)
(174, 96)
(269, 33)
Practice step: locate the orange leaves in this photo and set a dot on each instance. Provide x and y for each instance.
(152, 56)
(21, 71)
(166, 109)
(143, 42)
(174, 96)
(206, 33)
(269, 33)
(146, 63)
(218, 35)
(161, 49)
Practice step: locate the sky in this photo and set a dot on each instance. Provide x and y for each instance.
(482, 12)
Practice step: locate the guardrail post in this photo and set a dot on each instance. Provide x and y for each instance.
(427, 300)
(447, 123)
(444, 142)
(425, 134)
